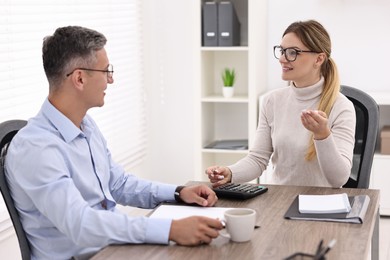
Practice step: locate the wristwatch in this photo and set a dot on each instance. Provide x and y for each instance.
(177, 193)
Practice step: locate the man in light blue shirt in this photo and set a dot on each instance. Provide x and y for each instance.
(61, 175)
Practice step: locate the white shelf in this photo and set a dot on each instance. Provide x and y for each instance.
(220, 99)
(381, 156)
(244, 152)
(381, 163)
(220, 118)
(379, 179)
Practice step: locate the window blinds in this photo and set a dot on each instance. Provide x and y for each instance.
(23, 85)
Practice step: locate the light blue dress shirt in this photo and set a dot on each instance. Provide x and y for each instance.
(65, 186)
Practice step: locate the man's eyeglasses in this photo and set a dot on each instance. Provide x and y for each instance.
(289, 53)
(109, 71)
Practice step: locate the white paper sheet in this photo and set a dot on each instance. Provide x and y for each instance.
(178, 212)
(324, 204)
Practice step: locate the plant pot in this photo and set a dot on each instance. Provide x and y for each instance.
(228, 92)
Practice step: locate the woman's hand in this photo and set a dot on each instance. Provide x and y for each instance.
(219, 175)
(316, 121)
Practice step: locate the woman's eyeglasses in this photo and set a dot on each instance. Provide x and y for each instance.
(289, 53)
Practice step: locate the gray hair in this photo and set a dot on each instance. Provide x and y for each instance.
(69, 48)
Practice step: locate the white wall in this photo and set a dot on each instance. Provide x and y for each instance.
(359, 30)
(9, 246)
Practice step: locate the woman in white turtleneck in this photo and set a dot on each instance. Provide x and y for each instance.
(308, 127)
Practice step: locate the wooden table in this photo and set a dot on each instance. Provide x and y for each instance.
(277, 237)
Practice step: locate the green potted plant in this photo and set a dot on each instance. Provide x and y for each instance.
(228, 79)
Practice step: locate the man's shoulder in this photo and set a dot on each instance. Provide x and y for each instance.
(36, 131)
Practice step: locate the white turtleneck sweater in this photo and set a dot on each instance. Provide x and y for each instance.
(280, 134)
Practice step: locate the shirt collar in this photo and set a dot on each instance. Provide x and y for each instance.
(65, 127)
(310, 92)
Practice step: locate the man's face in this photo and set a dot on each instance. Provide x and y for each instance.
(96, 83)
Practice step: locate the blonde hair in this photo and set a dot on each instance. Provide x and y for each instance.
(314, 36)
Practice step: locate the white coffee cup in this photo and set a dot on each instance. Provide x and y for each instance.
(240, 224)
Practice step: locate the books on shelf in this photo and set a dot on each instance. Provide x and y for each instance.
(359, 205)
(229, 144)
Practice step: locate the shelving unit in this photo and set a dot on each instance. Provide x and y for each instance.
(380, 175)
(220, 118)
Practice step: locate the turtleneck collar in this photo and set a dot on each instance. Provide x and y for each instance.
(309, 92)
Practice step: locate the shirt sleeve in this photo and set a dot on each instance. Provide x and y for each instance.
(335, 152)
(254, 164)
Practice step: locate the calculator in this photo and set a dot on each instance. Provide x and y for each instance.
(239, 191)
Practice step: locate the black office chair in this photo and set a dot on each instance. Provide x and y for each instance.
(8, 129)
(367, 124)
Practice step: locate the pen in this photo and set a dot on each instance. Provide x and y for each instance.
(319, 247)
(325, 250)
(219, 177)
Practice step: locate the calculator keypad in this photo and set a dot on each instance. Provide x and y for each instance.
(239, 190)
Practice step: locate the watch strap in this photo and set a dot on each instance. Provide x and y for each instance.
(177, 193)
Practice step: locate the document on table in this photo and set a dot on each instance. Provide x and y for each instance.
(178, 212)
(321, 204)
(355, 215)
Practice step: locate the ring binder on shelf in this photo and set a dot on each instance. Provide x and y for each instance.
(210, 24)
(228, 25)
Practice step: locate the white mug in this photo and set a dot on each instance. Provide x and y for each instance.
(240, 223)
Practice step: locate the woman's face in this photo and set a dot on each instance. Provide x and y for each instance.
(305, 70)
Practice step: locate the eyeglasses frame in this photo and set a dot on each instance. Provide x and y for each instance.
(283, 52)
(110, 73)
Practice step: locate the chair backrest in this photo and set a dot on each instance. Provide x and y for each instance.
(8, 130)
(367, 124)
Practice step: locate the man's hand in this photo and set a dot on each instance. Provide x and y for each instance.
(195, 230)
(199, 194)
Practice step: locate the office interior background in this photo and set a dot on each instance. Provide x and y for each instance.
(150, 110)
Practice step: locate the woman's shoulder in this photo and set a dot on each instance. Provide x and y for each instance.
(343, 101)
(275, 93)
(343, 107)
